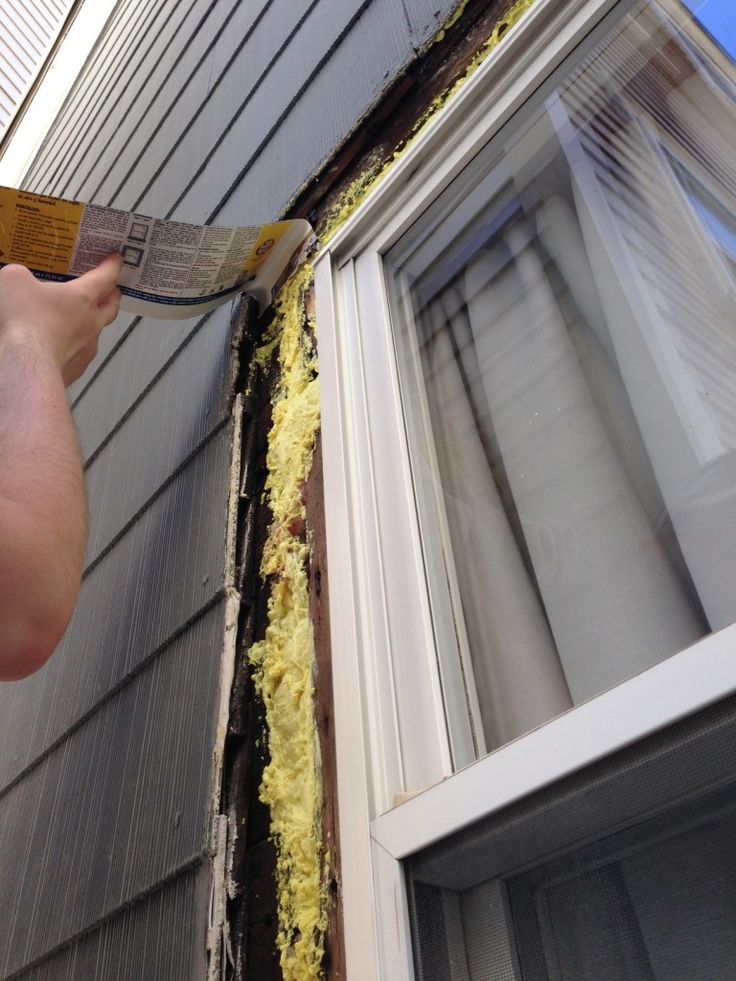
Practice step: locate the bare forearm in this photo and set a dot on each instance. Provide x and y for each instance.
(48, 336)
(42, 505)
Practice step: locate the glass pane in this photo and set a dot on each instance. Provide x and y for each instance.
(567, 343)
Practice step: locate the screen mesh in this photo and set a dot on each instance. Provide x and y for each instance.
(625, 871)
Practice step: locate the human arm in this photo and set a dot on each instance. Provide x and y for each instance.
(48, 336)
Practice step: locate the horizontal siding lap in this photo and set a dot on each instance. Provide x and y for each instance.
(20, 38)
(159, 937)
(66, 127)
(24, 25)
(339, 92)
(163, 572)
(6, 107)
(16, 64)
(35, 14)
(198, 110)
(332, 88)
(184, 73)
(118, 807)
(239, 115)
(110, 338)
(26, 31)
(141, 358)
(140, 50)
(182, 409)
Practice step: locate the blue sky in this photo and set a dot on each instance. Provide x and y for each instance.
(719, 19)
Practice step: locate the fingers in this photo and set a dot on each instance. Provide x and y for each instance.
(93, 294)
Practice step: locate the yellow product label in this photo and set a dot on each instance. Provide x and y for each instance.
(37, 231)
(266, 242)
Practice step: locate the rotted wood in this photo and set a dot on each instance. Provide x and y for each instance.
(386, 129)
(251, 904)
(334, 964)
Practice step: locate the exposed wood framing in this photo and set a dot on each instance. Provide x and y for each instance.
(385, 131)
(252, 900)
(334, 964)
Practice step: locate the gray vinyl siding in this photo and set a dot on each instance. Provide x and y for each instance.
(164, 572)
(203, 111)
(224, 116)
(143, 941)
(112, 812)
(27, 29)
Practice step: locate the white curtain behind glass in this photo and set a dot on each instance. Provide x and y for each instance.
(580, 376)
(517, 672)
(613, 602)
(602, 600)
(658, 274)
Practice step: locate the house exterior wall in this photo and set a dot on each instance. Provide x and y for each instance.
(27, 29)
(205, 112)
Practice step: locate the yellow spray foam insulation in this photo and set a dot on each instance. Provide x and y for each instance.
(284, 659)
(450, 22)
(354, 194)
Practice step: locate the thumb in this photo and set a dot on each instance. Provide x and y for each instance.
(101, 281)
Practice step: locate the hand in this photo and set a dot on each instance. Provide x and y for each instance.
(63, 320)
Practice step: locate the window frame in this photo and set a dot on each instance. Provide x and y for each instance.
(405, 778)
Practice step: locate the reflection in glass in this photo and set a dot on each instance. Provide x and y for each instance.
(569, 304)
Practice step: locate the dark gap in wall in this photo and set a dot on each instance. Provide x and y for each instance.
(251, 900)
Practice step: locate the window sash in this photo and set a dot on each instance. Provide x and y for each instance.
(391, 721)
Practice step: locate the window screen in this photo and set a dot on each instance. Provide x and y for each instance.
(565, 327)
(625, 872)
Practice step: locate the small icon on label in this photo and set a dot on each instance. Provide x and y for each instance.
(265, 247)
